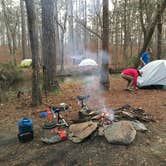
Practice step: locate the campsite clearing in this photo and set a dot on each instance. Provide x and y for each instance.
(147, 149)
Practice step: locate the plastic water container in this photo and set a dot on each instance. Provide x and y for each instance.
(25, 125)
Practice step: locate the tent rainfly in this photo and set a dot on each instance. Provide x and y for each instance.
(154, 73)
(26, 63)
(88, 62)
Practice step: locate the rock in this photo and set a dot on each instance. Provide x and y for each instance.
(138, 126)
(121, 132)
(78, 132)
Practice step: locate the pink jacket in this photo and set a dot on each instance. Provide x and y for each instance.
(132, 72)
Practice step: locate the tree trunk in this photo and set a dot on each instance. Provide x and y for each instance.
(14, 48)
(159, 33)
(62, 52)
(36, 94)
(142, 19)
(71, 33)
(85, 31)
(125, 33)
(152, 26)
(23, 29)
(48, 41)
(105, 46)
(9, 40)
(97, 31)
(7, 27)
(57, 40)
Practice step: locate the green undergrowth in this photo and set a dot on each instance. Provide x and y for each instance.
(9, 74)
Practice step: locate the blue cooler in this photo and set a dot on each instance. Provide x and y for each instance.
(25, 126)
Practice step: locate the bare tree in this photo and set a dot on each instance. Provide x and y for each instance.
(58, 50)
(125, 31)
(85, 23)
(153, 25)
(62, 24)
(71, 27)
(11, 18)
(159, 32)
(36, 94)
(48, 41)
(23, 29)
(105, 46)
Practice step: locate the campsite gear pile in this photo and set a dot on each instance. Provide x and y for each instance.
(25, 127)
(53, 129)
(118, 126)
(53, 114)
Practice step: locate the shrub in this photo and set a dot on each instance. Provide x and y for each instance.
(9, 74)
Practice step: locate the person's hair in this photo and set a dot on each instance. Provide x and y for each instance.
(149, 49)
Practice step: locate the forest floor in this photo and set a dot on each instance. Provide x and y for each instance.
(148, 149)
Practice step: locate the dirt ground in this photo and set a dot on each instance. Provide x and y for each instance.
(148, 149)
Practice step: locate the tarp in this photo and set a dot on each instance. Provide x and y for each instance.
(154, 73)
(88, 62)
(26, 63)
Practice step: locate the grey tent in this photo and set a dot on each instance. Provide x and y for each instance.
(154, 73)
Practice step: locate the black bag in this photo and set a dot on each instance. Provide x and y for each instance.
(25, 137)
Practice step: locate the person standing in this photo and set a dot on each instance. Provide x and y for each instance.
(131, 76)
(145, 57)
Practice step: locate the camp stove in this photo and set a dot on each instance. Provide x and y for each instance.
(84, 108)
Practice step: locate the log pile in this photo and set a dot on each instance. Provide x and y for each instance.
(128, 112)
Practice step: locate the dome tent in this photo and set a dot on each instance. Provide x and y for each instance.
(88, 62)
(154, 73)
(26, 63)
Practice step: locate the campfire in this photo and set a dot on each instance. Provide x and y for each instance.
(117, 125)
(104, 117)
(108, 115)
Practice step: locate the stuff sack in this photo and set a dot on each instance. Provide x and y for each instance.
(25, 137)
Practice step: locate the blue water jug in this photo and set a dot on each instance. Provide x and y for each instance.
(25, 125)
